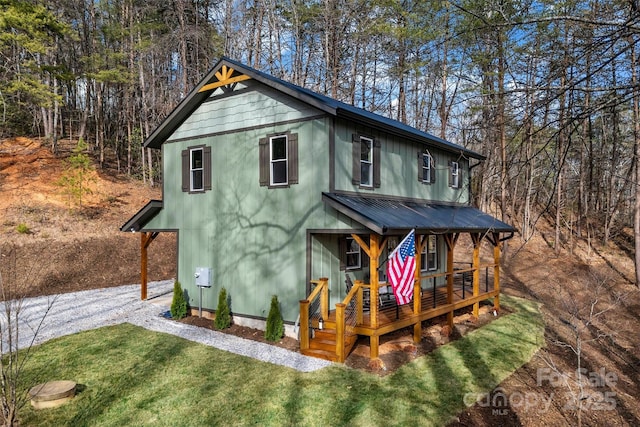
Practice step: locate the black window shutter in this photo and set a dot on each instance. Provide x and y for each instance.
(420, 168)
(185, 170)
(292, 147)
(263, 154)
(355, 178)
(342, 249)
(433, 169)
(207, 167)
(376, 163)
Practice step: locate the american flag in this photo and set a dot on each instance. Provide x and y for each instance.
(402, 268)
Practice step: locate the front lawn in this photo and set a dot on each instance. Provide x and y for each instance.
(128, 375)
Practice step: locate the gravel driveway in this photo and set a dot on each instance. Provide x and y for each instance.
(80, 311)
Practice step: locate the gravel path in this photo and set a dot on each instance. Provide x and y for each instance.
(80, 311)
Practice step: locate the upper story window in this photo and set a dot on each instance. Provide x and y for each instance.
(454, 175)
(426, 167)
(278, 158)
(196, 169)
(429, 255)
(366, 161)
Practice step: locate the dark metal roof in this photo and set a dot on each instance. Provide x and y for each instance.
(390, 216)
(321, 102)
(143, 216)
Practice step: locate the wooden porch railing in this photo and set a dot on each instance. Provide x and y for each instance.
(314, 308)
(352, 316)
(349, 314)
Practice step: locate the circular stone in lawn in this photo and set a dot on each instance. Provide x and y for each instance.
(52, 394)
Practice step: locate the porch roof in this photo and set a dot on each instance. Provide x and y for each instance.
(143, 216)
(394, 216)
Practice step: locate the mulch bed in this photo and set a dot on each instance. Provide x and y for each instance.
(395, 350)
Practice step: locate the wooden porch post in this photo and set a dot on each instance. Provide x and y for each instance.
(374, 255)
(360, 303)
(324, 298)
(145, 241)
(496, 269)
(451, 240)
(417, 290)
(304, 324)
(477, 240)
(340, 329)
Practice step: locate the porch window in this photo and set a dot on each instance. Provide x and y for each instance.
(366, 161)
(454, 175)
(429, 255)
(354, 255)
(278, 158)
(196, 169)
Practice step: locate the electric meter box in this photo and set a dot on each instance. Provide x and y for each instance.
(203, 277)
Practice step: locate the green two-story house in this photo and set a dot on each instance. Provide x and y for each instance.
(273, 189)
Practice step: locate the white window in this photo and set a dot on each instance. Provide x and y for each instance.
(455, 175)
(196, 169)
(429, 255)
(278, 160)
(366, 162)
(354, 255)
(426, 167)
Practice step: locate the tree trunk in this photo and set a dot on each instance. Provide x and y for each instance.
(636, 150)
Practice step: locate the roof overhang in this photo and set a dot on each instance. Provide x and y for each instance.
(142, 217)
(398, 216)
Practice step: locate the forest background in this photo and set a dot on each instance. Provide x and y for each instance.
(546, 89)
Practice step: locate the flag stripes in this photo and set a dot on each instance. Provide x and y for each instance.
(401, 269)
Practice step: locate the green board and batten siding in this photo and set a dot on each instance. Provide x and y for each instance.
(398, 168)
(254, 237)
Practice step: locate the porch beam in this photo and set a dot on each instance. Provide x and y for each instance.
(477, 240)
(362, 244)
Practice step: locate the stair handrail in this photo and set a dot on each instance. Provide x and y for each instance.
(321, 293)
(346, 324)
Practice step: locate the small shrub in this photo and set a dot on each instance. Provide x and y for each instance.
(223, 315)
(178, 304)
(275, 323)
(23, 228)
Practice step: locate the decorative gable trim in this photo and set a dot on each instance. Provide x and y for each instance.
(225, 78)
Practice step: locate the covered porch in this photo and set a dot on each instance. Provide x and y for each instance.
(331, 332)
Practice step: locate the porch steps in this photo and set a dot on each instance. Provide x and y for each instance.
(323, 345)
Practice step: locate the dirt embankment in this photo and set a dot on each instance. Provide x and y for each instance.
(49, 244)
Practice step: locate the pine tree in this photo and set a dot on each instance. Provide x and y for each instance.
(178, 304)
(223, 315)
(275, 323)
(78, 174)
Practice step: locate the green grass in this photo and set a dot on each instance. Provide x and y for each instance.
(130, 376)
